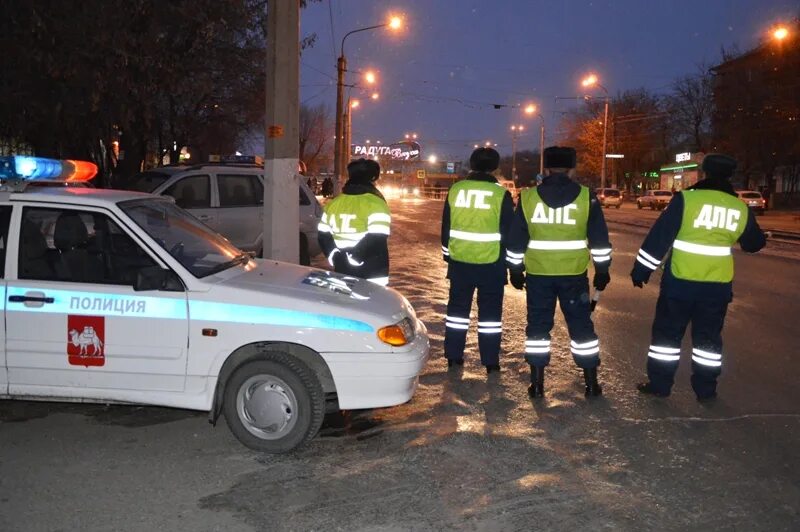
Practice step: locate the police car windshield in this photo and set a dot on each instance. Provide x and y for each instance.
(200, 250)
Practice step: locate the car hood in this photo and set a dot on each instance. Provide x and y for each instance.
(278, 284)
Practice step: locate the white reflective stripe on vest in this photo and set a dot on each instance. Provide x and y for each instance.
(645, 255)
(383, 281)
(701, 249)
(515, 255)
(475, 237)
(557, 244)
(379, 217)
(379, 229)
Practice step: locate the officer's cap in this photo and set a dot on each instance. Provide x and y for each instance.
(719, 165)
(484, 160)
(364, 170)
(559, 157)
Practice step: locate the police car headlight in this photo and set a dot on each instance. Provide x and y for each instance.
(398, 334)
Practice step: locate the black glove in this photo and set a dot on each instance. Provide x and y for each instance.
(601, 280)
(517, 279)
(340, 262)
(639, 278)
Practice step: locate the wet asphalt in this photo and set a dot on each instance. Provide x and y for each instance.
(467, 452)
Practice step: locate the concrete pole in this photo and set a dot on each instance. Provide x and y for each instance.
(513, 156)
(605, 131)
(281, 156)
(541, 149)
(338, 144)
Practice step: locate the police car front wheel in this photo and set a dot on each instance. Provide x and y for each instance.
(274, 404)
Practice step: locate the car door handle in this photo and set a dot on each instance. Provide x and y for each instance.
(203, 217)
(32, 300)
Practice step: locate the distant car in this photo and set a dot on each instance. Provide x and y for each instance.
(753, 199)
(655, 199)
(229, 198)
(609, 197)
(512, 188)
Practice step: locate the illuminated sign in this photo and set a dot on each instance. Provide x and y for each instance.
(400, 151)
(685, 156)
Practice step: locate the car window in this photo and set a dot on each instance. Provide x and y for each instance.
(77, 246)
(146, 181)
(304, 200)
(663, 193)
(192, 192)
(5, 220)
(750, 195)
(240, 190)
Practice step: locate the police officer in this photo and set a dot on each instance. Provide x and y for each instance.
(557, 227)
(475, 223)
(354, 230)
(700, 225)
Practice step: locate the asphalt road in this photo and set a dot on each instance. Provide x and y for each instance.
(466, 453)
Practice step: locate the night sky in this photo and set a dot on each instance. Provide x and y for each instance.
(454, 59)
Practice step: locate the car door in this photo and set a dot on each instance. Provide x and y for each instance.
(5, 220)
(241, 209)
(194, 193)
(75, 325)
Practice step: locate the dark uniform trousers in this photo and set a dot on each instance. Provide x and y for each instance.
(490, 311)
(669, 326)
(572, 293)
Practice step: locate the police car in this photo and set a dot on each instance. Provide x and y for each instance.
(117, 296)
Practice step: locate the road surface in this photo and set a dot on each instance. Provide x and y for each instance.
(466, 453)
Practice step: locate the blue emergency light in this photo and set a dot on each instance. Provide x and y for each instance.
(27, 168)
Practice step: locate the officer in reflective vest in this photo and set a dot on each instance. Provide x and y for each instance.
(701, 225)
(557, 227)
(354, 229)
(475, 222)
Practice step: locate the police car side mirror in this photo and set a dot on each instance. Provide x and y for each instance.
(156, 278)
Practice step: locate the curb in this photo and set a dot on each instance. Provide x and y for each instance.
(787, 236)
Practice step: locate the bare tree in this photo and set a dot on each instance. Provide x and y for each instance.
(691, 105)
(316, 132)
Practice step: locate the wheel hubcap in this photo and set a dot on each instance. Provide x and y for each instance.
(267, 407)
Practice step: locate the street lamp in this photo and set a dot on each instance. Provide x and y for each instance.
(514, 130)
(432, 159)
(780, 33)
(592, 81)
(394, 23)
(532, 110)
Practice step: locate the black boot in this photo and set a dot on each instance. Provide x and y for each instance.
(451, 363)
(593, 388)
(536, 389)
(492, 368)
(647, 389)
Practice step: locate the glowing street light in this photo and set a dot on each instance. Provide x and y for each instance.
(530, 109)
(593, 81)
(410, 136)
(375, 96)
(780, 33)
(432, 159)
(369, 77)
(589, 80)
(394, 23)
(354, 104)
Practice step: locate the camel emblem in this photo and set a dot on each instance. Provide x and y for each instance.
(87, 338)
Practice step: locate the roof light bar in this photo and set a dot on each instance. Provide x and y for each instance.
(27, 168)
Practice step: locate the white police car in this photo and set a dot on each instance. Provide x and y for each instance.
(115, 296)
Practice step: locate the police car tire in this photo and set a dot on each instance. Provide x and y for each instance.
(304, 385)
(639, 204)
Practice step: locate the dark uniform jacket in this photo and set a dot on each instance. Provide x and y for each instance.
(558, 190)
(661, 236)
(455, 267)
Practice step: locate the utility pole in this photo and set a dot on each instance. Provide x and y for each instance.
(541, 147)
(338, 144)
(281, 234)
(605, 132)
